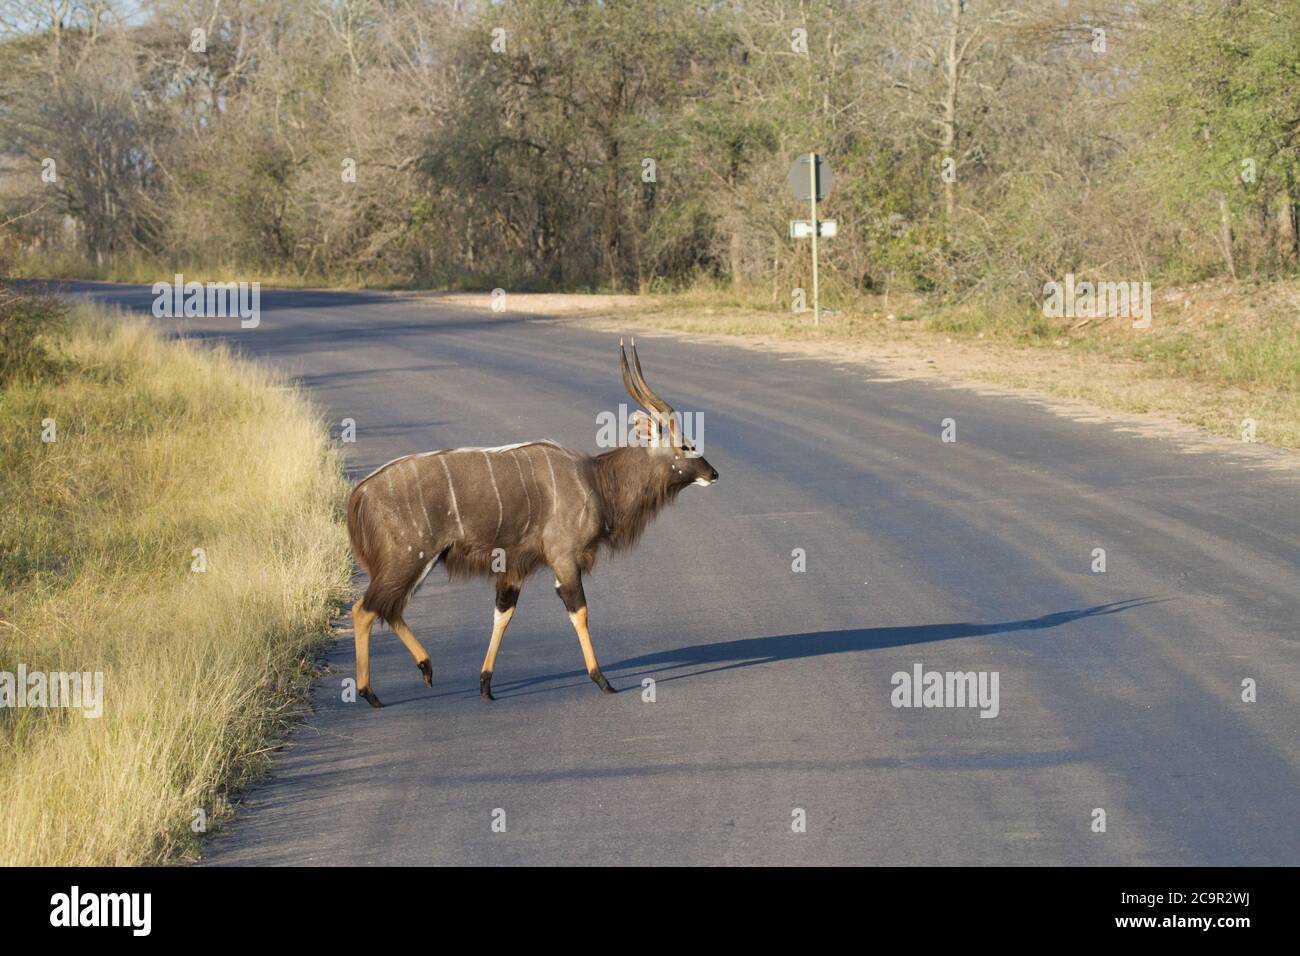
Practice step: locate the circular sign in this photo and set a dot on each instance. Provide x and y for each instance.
(801, 180)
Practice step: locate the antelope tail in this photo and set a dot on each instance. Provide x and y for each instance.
(355, 530)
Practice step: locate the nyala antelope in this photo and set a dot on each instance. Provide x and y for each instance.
(538, 503)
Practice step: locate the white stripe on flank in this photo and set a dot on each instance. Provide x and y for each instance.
(586, 492)
(392, 496)
(410, 511)
(388, 480)
(419, 491)
(532, 469)
(452, 488)
(554, 491)
(527, 497)
(492, 476)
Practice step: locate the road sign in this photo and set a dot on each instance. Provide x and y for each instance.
(803, 229)
(801, 178)
(810, 180)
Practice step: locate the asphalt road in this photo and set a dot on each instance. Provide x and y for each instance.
(1119, 691)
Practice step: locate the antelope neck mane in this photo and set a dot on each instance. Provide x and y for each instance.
(632, 491)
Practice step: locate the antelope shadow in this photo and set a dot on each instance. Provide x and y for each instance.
(754, 651)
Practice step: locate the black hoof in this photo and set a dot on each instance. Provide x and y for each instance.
(426, 669)
(603, 684)
(485, 686)
(371, 697)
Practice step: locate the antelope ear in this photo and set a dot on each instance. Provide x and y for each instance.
(645, 428)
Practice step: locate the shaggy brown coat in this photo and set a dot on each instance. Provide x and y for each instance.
(539, 503)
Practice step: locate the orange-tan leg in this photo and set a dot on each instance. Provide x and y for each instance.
(568, 584)
(362, 621)
(507, 597)
(416, 648)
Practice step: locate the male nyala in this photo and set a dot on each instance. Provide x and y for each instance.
(539, 503)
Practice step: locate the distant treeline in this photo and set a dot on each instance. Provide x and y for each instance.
(644, 144)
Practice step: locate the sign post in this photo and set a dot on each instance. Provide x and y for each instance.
(812, 191)
(813, 183)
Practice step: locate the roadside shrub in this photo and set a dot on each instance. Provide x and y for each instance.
(28, 323)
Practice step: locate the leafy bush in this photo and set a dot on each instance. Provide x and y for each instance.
(27, 325)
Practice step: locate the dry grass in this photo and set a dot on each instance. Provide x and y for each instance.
(138, 271)
(161, 448)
